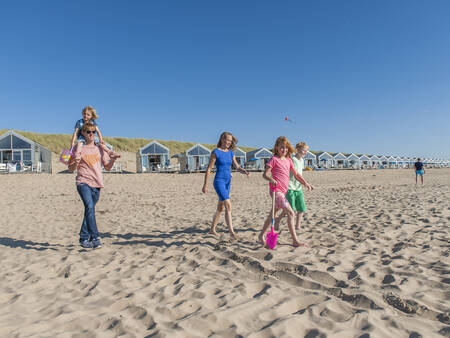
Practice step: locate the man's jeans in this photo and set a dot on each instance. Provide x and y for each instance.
(90, 197)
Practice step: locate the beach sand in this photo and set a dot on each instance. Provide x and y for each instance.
(377, 266)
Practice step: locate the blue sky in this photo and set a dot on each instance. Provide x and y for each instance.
(354, 76)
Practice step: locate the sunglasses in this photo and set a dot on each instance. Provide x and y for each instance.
(90, 132)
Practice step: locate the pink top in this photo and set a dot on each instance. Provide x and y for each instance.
(280, 172)
(89, 168)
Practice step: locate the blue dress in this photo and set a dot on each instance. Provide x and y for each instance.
(222, 180)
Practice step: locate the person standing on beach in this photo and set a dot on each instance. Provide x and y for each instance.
(277, 173)
(89, 181)
(418, 167)
(295, 192)
(223, 157)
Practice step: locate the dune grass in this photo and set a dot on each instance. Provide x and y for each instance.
(57, 142)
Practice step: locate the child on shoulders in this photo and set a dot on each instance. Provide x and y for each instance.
(89, 115)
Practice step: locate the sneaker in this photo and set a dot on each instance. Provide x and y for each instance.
(96, 243)
(86, 244)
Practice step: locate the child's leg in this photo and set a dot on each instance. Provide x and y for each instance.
(295, 241)
(278, 220)
(266, 225)
(112, 154)
(299, 220)
(300, 208)
(228, 218)
(220, 209)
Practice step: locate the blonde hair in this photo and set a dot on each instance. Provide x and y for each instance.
(91, 110)
(283, 140)
(87, 126)
(234, 140)
(302, 145)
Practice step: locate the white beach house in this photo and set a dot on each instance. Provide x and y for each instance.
(310, 160)
(241, 156)
(365, 161)
(324, 160)
(375, 162)
(384, 162)
(153, 157)
(392, 162)
(194, 159)
(20, 154)
(340, 160)
(257, 159)
(354, 161)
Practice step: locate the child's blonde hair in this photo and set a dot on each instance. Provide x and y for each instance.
(92, 110)
(87, 126)
(301, 145)
(233, 141)
(283, 140)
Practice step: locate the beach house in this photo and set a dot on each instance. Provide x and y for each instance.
(20, 154)
(153, 157)
(194, 159)
(257, 159)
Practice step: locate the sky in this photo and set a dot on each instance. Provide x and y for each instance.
(353, 76)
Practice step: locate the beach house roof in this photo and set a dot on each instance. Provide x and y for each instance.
(353, 157)
(310, 156)
(198, 150)
(323, 155)
(238, 152)
(259, 153)
(364, 158)
(154, 148)
(339, 156)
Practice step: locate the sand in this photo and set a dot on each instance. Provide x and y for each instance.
(377, 265)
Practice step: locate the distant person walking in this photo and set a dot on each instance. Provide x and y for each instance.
(419, 170)
(89, 181)
(223, 157)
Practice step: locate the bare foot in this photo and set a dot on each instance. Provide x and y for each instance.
(296, 244)
(235, 237)
(213, 232)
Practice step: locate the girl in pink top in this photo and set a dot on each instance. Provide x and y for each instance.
(277, 173)
(89, 181)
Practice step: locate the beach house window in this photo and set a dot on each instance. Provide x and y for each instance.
(6, 156)
(19, 143)
(26, 157)
(17, 156)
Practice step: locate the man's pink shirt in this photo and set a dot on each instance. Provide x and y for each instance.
(90, 169)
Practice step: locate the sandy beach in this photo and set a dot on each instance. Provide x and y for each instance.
(378, 263)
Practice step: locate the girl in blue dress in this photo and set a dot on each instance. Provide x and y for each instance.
(223, 157)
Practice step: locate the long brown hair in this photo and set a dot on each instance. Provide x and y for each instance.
(234, 140)
(283, 140)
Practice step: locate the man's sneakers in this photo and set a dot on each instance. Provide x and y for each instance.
(87, 244)
(94, 244)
